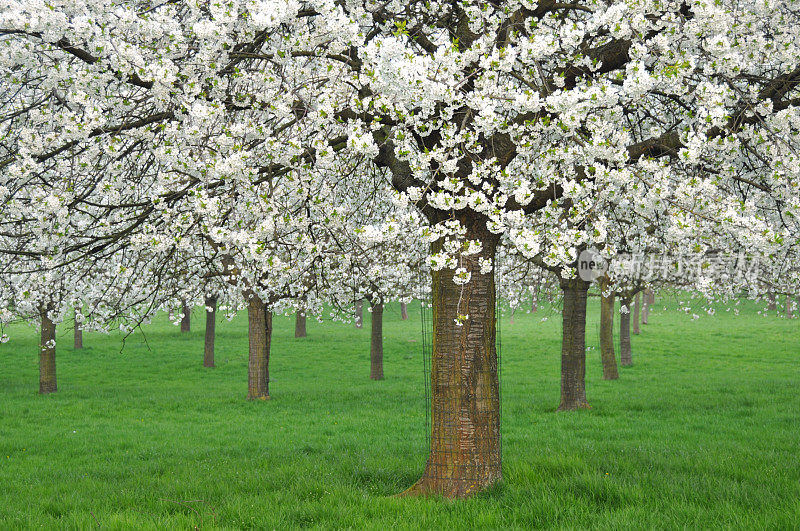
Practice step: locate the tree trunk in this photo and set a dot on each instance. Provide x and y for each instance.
(636, 307)
(186, 322)
(772, 306)
(645, 307)
(625, 355)
(259, 321)
(47, 356)
(607, 354)
(300, 323)
(534, 304)
(789, 304)
(465, 388)
(77, 340)
(403, 311)
(211, 325)
(573, 345)
(376, 345)
(359, 314)
(651, 297)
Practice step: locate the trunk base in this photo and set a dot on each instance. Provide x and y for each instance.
(258, 397)
(447, 488)
(573, 406)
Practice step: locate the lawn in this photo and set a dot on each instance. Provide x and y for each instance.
(703, 430)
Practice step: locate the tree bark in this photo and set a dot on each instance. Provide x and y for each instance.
(651, 297)
(403, 311)
(259, 321)
(573, 345)
(625, 354)
(47, 356)
(636, 307)
(645, 307)
(359, 322)
(465, 388)
(607, 354)
(789, 304)
(772, 306)
(186, 321)
(376, 344)
(534, 304)
(300, 323)
(77, 339)
(211, 326)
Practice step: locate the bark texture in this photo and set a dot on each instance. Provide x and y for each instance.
(359, 322)
(607, 354)
(186, 322)
(636, 309)
(376, 343)
(465, 389)
(403, 311)
(772, 305)
(259, 321)
(789, 304)
(77, 336)
(573, 345)
(300, 323)
(47, 356)
(625, 355)
(211, 326)
(645, 307)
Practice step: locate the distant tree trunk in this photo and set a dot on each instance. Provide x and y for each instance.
(465, 390)
(772, 306)
(376, 344)
(645, 308)
(625, 354)
(511, 317)
(636, 307)
(789, 304)
(77, 340)
(651, 297)
(211, 326)
(47, 356)
(403, 311)
(300, 323)
(359, 314)
(573, 345)
(534, 303)
(607, 354)
(186, 322)
(259, 321)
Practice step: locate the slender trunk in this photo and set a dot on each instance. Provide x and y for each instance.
(47, 356)
(607, 354)
(645, 307)
(534, 304)
(259, 321)
(300, 323)
(186, 322)
(511, 317)
(376, 344)
(625, 355)
(211, 325)
(789, 304)
(636, 307)
(772, 306)
(403, 311)
(573, 345)
(359, 314)
(651, 297)
(77, 340)
(465, 388)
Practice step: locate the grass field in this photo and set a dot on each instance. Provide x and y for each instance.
(702, 432)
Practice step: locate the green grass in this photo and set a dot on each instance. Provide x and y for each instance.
(703, 431)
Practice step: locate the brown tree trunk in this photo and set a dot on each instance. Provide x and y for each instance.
(376, 344)
(300, 323)
(789, 304)
(359, 322)
(211, 325)
(186, 322)
(636, 307)
(645, 307)
(573, 345)
(625, 355)
(403, 311)
(465, 388)
(77, 339)
(47, 356)
(772, 306)
(607, 354)
(651, 297)
(534, 304)
(259, 321)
